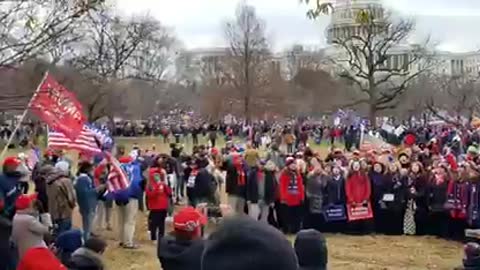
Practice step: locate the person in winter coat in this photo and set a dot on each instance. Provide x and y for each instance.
(158, 196)
(9, 186)
(204, 189)
(292, 195)
(9, 192)
(358, 193)
(40, 180)
(457, 203)
(437, 197)
(394, 200)
(237, 172)
(261, 190)
(27, 231)
(128, 201)
(276, 157)
(89, 257)
(311, 249)
(418, 191)
(87, 196)
(335, 198)
(379, 182)
(183, 248)
(315, 189)
(62, 199)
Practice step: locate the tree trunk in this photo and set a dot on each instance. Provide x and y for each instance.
(372, 115)
(246, 109)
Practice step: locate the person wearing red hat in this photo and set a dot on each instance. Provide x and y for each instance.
(9, 192)
(292, 195)
(183, 248)
(40, 258)
(27, 231)
(158, 196)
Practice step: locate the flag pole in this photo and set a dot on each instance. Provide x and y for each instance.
(10, 139)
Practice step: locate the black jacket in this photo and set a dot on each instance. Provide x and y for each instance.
(85, 259)
(180, 254)
(437, 196)
(204, 185)
(252, 189)
(335, 191)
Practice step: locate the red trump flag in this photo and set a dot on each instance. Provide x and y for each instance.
(58, 107)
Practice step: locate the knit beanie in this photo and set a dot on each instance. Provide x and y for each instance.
(311, 249)
(243, 243)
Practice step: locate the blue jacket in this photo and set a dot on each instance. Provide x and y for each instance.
(87, 196)
(9, 193)
(134, 190)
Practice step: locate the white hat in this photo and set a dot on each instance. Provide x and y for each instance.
(63, 166)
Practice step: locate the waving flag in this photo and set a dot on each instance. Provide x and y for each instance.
(117, 178)
(59, 108)
(103, 136)
(85, 142)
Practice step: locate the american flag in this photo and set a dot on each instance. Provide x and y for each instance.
(87, 141)
(117, 178)
(32, 158)
(102, 135)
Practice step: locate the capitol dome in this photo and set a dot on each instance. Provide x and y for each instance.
(344, 24)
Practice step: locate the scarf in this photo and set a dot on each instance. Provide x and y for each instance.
(238, 164)
(293, 183)
(458, 197)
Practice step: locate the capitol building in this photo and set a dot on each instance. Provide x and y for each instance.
(343, 24)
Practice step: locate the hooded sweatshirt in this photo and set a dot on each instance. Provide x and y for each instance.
(61, 194)
(177, 254)
(86, 259)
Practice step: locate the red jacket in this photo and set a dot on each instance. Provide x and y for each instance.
(358, 188)
(157, 191)
(292, 191)
(39, 259)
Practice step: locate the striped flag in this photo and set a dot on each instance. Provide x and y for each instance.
(117, 178)
(33, 158)
(85, 142)
(102, 135)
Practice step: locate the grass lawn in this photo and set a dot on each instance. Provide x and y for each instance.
(345, 252)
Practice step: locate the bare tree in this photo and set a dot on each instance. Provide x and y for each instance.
(453, 99)
(155, 55)
(249, 54)
(105, 52)
(27, 27)
(370, 64)
(300, 59)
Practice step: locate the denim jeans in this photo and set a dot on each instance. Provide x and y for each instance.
(87, 223)
(63, 225)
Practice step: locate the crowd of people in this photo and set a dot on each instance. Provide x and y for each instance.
(426, 186)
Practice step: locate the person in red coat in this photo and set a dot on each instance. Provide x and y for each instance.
(292, 195)
(358, 192)
(158, 196)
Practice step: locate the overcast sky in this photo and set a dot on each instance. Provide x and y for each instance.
(453, 24)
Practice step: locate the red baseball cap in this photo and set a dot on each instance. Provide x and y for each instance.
(12, 162)
(125, 159)
(24, 201)
(189, 220)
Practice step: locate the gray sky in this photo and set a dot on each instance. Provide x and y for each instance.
(453, 24)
